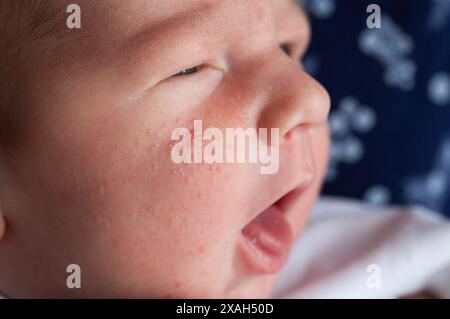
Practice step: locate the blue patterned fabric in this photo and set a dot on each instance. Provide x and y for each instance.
(390, 88)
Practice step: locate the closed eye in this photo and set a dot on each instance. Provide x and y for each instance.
(189, 71)
(286, 47)
(292, 51)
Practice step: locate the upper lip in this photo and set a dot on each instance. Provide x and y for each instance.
(286, 202)
(299, 139)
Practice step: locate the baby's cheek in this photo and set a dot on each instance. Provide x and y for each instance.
(171, 212)
(145, 215)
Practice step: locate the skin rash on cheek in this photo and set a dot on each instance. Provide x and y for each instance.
(213, 146)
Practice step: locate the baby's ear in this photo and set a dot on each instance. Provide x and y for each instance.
(2, 212)
(2, 224)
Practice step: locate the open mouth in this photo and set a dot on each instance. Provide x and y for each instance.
(267, 239)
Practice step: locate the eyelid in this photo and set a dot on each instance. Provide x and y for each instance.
(295, 50)
(202, 67)
(184, 72)
(286, 47)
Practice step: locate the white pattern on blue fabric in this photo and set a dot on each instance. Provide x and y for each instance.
(390, 47)
(377, 195)
(439, 14)
(439, 88)
(321, 9)
(402, 71)
(431, 189)
(349, 119)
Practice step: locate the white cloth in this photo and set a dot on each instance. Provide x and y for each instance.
(352, 250)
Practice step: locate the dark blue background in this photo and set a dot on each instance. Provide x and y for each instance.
(401, 151)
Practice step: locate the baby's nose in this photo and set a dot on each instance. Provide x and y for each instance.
(295, 99)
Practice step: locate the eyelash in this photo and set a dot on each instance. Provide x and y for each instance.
(285, 47)
(189, 71)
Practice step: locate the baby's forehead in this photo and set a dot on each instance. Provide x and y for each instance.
(117, 10)
(41, 18)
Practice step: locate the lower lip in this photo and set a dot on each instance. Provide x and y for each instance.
(266, 241)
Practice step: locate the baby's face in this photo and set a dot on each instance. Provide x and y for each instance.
(94, 182)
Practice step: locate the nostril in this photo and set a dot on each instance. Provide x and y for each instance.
(288, 136)
(296, 131)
